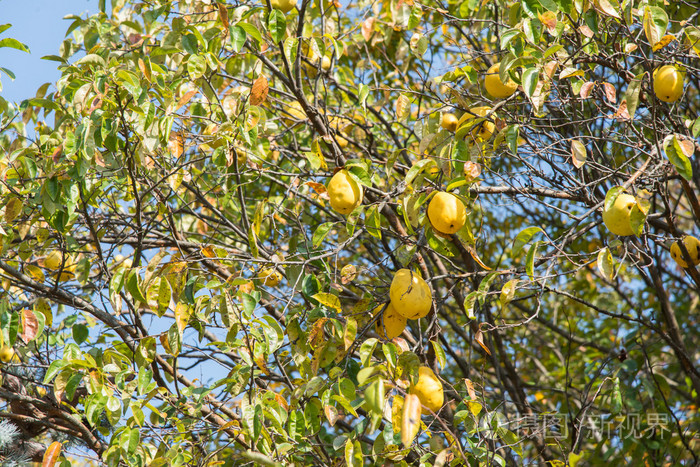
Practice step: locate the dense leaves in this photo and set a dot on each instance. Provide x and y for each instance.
(178, 290)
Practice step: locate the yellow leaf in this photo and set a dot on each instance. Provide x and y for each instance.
(51, 455)
(578, 153)
(328, 300)
(663, 42)
(410, 419)
(396, 414)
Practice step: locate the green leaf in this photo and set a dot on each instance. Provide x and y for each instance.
(238, 37)
(133, 286)
(80, 333)
(439, 354)
(675, 154)
(530, 78)
(530, 261)
(373, 222)
(416, 169)
(13, 44)
(251, 30)
(508, 292)
(469, 302)
(277, 25)
(320, 233)
(605, 263)
(655, 23)
(611, 196)
(374, 396)
(523, 239)
(632, 94)
(92, 60)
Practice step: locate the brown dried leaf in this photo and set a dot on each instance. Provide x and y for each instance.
(258, 93)
(316, 334)
(586, 31)
(368, 28)
(610, 92)
(474, 255)
(621, 114)
(30, 326)
(223, 14)
(176, 144)
(472, 170)
(186, 98)
(479, 337)
(549, 19)
(145, 69)
(470, 389)
(587, 89)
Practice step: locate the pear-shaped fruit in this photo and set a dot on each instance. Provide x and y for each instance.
(668, 83)
(449, 122)
(7, 354)
(617, 218)
(692, 244)
(410, 295)
(497, 88)
(285, 6)
(428, 389)
(344, 192)
(391, 324)
(270, 277)
(446, 213)
(482, 130)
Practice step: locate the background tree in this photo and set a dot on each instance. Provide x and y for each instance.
(178, 290)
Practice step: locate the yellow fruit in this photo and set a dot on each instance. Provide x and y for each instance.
(344, 192)
(482, 130)
(497, 88)
(446, 213)
(617, 218)
(285, 6)
(391, 322)
(428, 389)
(7, 354)
(53, 260)
(692, 244)
(270, 277)
(294, 113)
(325, 63)
(410, 295)
(449, 122)
(668, 83)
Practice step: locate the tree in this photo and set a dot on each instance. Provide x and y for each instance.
(177, 288)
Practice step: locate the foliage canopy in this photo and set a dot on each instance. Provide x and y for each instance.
(179, 291)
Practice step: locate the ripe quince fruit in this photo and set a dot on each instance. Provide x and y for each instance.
(449, 122)
(617, 218)
(429, 390)
(481, 131)
(446, 213)
(285, 6)
(344, 192)
(668, 83)
(497, 88)
(391, 322)
(270, 277)
(692, 244)
(410, 294)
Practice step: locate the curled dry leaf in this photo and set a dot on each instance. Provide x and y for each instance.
(30, 325)
(258, 93)
(587, 89)
(472, 170)
(610, 93)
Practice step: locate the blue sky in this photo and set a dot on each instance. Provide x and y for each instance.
(39, 24)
